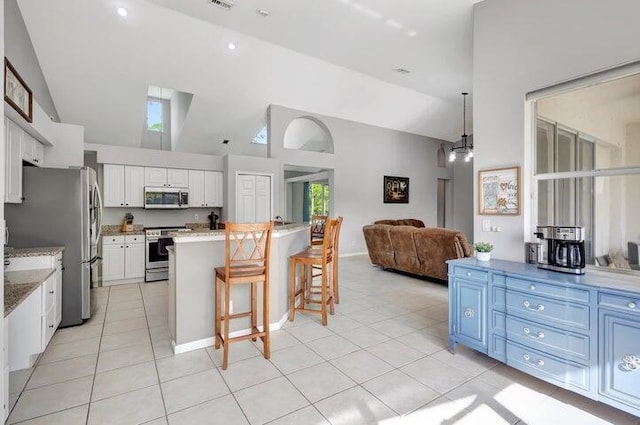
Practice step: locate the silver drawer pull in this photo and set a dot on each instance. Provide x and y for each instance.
(532, 287)
(538, 335)
(631, 304)
(538, 363)
(527, 305)
(468, 273)
(631, 363)
(469, 313)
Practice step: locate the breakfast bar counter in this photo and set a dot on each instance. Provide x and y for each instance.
(192, 260)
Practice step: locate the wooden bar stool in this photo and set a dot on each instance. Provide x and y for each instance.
(313, 256)
(316, 231)
(246, 261)
(334, 266)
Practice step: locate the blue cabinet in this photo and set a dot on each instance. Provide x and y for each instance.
(468, 318)
(581, 333)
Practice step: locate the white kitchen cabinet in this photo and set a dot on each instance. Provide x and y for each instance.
(166, 177)
(213, 189)
(133, 186)
(205, 188)
(32, 150)
(25, 332)
(123, 186)
(13, 162)
(123, 259)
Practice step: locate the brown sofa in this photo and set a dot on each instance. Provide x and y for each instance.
(414, 249)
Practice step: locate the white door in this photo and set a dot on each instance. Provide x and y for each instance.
(213, 189)
(113, 185)
(112, 262)
(155, 177)
(263, 198)
(134, 186)
(177, 178)
(196, 188)
(13, 163)
(253, 198)
(134, 260)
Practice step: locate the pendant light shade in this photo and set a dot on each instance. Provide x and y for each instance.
(465, 148)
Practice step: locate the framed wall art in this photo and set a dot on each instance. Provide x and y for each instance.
(17, 93)
(396, 190)
(499, 191)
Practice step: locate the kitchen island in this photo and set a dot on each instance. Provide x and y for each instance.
(192, 260)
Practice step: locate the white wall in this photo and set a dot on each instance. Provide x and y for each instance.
(632, 201)
(521, 46)
(363, 155)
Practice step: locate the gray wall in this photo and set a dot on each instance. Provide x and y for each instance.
(19, 51)
(521, 46)
(363, 155)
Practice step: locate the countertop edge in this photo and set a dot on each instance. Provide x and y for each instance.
(9, 309)
(34, 252)
(219, 235)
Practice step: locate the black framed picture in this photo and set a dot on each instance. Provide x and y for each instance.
(16, 92)
(396, 190)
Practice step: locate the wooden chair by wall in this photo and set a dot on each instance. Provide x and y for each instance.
(300, 291)
(316, 230)
(247, 250)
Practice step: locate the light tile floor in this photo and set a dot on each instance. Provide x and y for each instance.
(381, 360)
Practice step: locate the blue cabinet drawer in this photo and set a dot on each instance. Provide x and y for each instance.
(547, 310)
(468, 273)
(546, 339)
(546, 289)
(563, 373)
(630, 304)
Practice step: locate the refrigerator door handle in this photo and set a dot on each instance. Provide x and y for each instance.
(99, 209)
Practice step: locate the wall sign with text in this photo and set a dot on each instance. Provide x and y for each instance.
(499, 191)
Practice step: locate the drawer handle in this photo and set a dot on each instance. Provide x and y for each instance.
(527, 305)
(532, 287)
(51, 326)
(468, 273)
(527, 358)
(631, 304)
(631, 363)
(51, 292)
(469, 313)
(538, 335)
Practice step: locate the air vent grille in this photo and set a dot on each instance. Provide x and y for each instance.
(225, 4)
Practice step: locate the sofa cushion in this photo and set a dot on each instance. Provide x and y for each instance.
(402, 222)
(404, 247)
(379, 245)
(434, 246)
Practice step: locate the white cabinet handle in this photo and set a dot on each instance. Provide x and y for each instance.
(528, 306)
(532, 287)
(469, 313)
(631, 363)
(538, 363)
(538, 335)
(468, 273)
(631, 304)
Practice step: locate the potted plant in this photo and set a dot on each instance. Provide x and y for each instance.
(483, 251)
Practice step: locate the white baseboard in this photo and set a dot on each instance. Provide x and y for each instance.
(210, 341)
(353, 254)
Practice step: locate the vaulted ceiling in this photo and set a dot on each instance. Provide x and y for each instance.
(332, 57)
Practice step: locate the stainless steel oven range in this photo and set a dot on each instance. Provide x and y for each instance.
(157, 257)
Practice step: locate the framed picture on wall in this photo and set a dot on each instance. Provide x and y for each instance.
(499, 191)
(396, 190)
(17, 93)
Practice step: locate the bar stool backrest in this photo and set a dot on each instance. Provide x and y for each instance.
(247, 247)
(328, 240)
(317, 223)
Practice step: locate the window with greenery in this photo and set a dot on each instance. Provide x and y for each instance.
(155, 115)
(319, 199)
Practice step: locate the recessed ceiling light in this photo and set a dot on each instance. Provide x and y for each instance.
(231, 46)
(402, 71)
(122, 12)
(262, 12)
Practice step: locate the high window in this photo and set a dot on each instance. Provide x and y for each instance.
(155, 114)
(319, 199)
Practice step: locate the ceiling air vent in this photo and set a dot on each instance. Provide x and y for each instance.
(225, 4)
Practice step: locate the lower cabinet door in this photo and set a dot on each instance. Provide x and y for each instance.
(112, 262)
(134, 260)
(470, 316)
(619, 342)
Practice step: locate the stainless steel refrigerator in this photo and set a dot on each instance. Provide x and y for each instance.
(61, 207)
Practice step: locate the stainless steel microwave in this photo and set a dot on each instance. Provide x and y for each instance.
(165, 198)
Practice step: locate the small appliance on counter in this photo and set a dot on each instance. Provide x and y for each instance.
(127, 223)
(561, 248)
(213, 221)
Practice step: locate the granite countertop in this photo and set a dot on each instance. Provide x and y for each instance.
(32, 252)
(19, 285)
(278, 229)
(116, 230)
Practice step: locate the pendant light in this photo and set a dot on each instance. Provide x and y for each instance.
(465, 149)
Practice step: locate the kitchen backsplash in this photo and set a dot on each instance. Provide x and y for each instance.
(157, 218)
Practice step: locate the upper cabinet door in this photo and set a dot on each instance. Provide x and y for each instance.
(13, 163)
(133, 186)
(213, 189)
(177, 178)
(113, 185)
(196, 188)
(155, 177)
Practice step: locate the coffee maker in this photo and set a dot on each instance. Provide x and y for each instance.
(561, 248)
